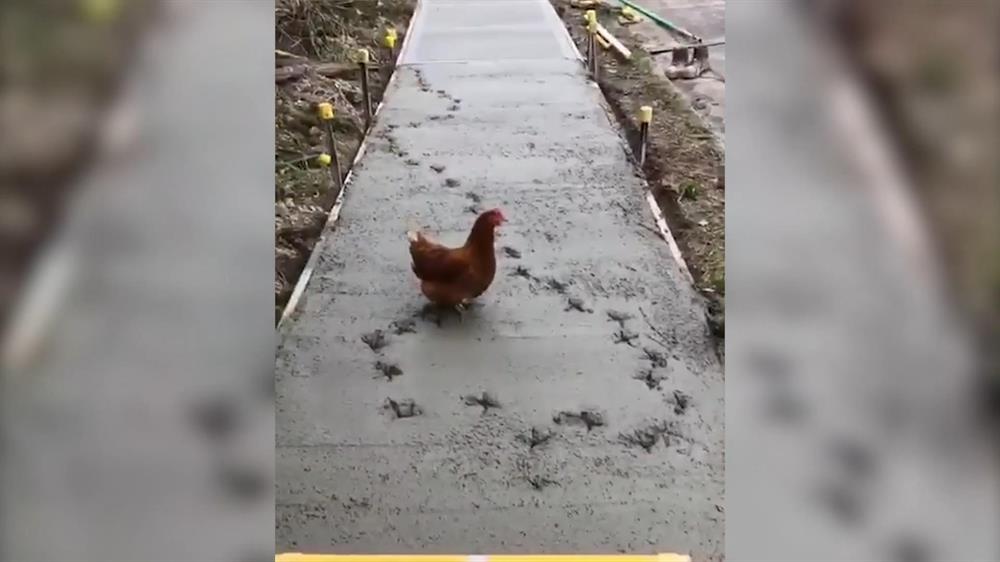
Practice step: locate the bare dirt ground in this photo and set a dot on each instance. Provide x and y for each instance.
(60, 67)
(685, 166)
(317, 43)
(706, 94)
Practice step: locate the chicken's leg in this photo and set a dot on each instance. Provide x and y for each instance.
(431, 312)
(435, 312)
(460, 308)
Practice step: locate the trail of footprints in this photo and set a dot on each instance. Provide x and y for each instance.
(653, 374)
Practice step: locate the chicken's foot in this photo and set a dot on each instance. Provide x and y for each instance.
(461, 309)
(435, 312)
(431, 312)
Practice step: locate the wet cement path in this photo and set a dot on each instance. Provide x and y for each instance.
(579, 407)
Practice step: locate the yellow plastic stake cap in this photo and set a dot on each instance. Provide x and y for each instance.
(390, 41)
(325, 111)
(101, 11)
(645, 114)
(363, 56)
(590, 15)
(324, 159)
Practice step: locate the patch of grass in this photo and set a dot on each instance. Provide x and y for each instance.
(689, 190)
(938, 74)
(717, 280)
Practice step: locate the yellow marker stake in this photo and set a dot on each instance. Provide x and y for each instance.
(390, 41)
(591, 16)
(325, 111)
(645, 118)
(363, 60)
(101, 11)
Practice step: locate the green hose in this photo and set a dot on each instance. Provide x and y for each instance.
(662, 22)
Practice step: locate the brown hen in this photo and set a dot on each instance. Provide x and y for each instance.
(452, 277)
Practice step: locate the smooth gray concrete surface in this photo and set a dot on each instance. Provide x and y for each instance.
(522, 129)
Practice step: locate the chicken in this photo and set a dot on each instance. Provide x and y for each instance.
(452, 277)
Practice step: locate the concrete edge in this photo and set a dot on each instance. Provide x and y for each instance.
(45, 290)
(334, 214)
(654, 207)
(566, 34)
(658, 217)
(859, 127)
(55, 268)
(661, 225)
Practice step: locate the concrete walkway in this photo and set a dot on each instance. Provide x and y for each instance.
(494, 93)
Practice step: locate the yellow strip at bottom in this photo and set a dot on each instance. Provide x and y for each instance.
(299, 557)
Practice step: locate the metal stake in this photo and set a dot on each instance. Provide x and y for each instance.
(645, 118)
(390, 42)
(325, 111)
(363, 57)
(390, 45)
(591, 16)
(590, 50)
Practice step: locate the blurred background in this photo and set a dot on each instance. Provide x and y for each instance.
(861, 223)
(137, 280)
(136, 218)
